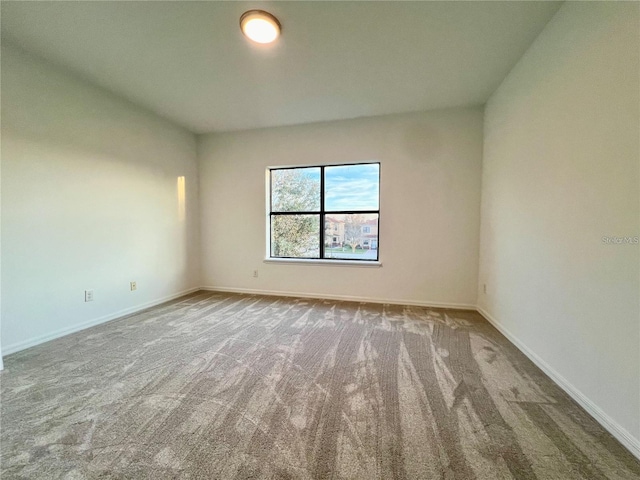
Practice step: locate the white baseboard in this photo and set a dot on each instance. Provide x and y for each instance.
(613, 427)
(349, 298)
(32, 342)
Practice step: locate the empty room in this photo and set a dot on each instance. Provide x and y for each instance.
(320, 240)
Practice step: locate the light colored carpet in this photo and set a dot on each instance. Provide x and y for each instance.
(225, 386)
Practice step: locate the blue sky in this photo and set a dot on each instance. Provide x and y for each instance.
(352, 187)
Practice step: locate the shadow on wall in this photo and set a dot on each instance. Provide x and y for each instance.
(422, 141)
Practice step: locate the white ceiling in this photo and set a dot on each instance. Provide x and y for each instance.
(188, 61)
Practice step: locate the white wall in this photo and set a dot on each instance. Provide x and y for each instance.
(89, 201)
(429, 206)
(1, 360)
(560, 171)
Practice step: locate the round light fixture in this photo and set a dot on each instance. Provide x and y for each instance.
(260, 26)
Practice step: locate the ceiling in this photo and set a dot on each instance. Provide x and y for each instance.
(188, 61)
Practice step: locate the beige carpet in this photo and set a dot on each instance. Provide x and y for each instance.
(225, 386)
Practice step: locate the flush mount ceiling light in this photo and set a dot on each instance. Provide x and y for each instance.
(260, 26)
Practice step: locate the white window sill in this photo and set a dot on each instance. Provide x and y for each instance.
(334, 263)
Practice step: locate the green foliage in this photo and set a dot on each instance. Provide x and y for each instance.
(295, 190)
(295, 235)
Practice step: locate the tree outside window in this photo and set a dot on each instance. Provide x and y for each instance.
(325, 212)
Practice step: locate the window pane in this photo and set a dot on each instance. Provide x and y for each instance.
(351, 236)
(352, 187)
(295, 190)
(295, 236)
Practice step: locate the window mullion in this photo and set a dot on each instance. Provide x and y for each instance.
(321, 222)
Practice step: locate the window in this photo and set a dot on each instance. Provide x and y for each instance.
(325, 212)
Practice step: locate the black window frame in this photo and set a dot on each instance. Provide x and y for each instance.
(323, 212)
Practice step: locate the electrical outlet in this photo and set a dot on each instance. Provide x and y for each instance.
(484, 288)
(255, 273)
(88, 295)
(133, 286)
